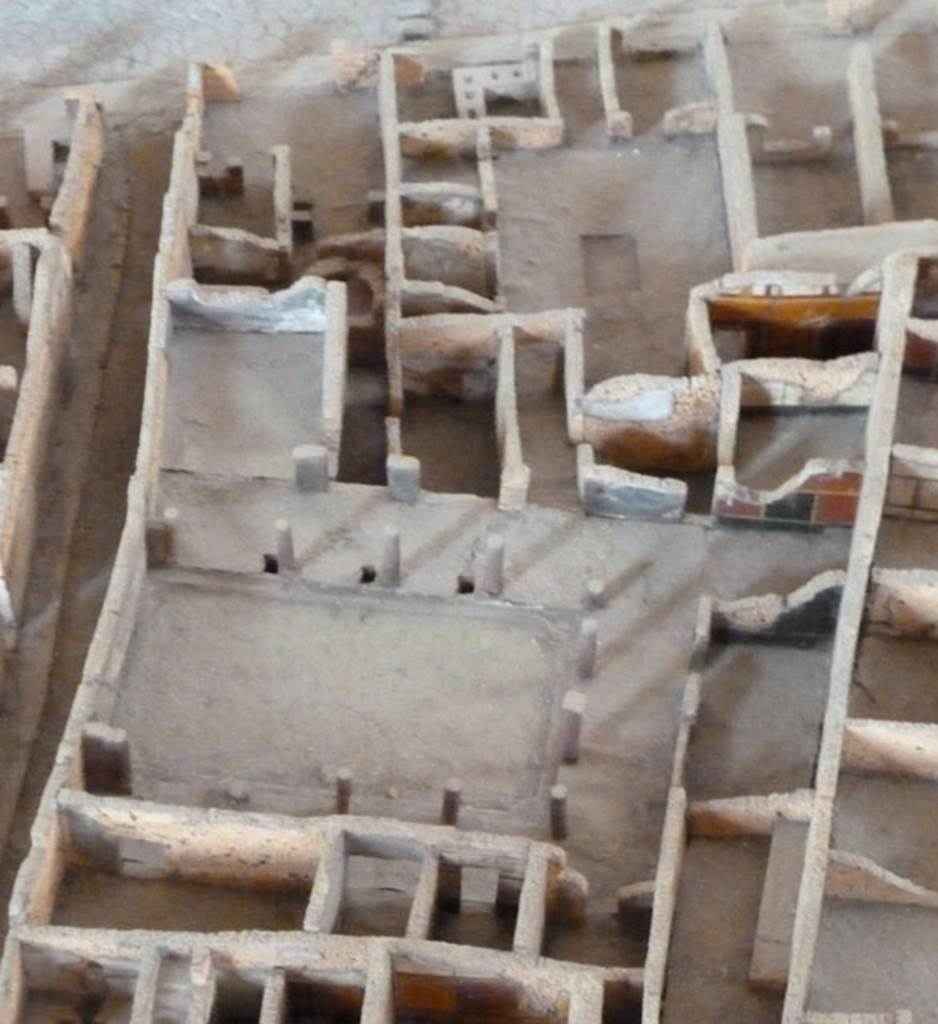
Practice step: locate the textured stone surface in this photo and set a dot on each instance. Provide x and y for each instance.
(61, 42)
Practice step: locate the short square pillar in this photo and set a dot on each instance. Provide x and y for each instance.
(403, 473)
(311, 467)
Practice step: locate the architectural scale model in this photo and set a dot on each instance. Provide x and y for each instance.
(527, 594)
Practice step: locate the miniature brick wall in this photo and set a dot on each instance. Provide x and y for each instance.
(913, 483)
(824, 499)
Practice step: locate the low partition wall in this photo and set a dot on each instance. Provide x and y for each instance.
(903, 604)
(456, 353)
(457, 136)
(515, 476)
(609, 39)
(473, 357)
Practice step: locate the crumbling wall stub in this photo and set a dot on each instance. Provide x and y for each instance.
(804, 616)
(851, 876)
(299, 308)
(218, 84)
(643, 422)
(807, 384)
(449, 254)
(442, 202)
(458, 361)
(728, 817)
(903, 603)
(426, 298)
(891, 748)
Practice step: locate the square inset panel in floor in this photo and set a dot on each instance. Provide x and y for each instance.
(610, 266)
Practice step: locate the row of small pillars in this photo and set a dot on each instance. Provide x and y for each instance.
(311, 474)
(311, 469)
(449, 806)
(573, 705)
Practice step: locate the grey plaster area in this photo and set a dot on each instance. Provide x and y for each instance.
(901, 940)
(747, 686)
(240, 403)
(282, 685)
